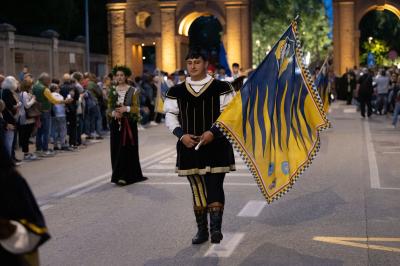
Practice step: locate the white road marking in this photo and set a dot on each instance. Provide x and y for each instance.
(96, 179)
(252, 208)
(169, 166)
(390, 188)
(88, 189)
(373, 166)
(157, 159)
(155, 174)
(186, 183)
(226, 247)
(81, 185)
(46, 207)
(350, 110)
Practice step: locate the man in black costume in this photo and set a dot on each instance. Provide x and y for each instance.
(22, 226)
(204, 155)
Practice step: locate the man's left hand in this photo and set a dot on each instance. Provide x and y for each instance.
(207, 137)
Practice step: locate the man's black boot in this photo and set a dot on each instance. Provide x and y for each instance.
(215, 223)
(202, 222)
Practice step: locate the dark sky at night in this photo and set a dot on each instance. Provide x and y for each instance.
(64, 16)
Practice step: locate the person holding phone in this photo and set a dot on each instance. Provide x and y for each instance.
(204, 155)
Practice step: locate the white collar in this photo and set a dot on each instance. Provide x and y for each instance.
(198, 82)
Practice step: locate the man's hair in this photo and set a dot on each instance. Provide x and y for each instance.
(197, 53)
(181, 73)
(53, 87)
(9, 83)
(235, 65)
(78, 76)
(43, 76)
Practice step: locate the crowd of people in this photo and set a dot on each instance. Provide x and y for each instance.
(63, 115)
(374, 89)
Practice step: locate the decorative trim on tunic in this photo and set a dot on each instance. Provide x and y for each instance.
(203, 89)
(204, 171)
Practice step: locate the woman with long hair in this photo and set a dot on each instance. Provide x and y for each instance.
(123, 112)
(27, 123)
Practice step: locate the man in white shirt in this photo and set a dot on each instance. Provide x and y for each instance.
(204, 155)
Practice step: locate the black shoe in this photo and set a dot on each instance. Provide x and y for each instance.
(202, 222)
(215, 223)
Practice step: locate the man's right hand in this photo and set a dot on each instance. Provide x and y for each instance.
(7, 229)
(190, 141)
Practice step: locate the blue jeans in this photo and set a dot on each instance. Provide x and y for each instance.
(396, 113)
(42, 135)
(8, 141)
(60, 130)
(93, 121)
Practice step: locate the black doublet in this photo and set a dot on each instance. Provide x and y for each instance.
(197, 114)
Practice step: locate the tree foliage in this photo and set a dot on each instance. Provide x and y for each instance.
(272, 17)
(381, 25)
(378, 48)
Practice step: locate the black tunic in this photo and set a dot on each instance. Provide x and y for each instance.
(197, 114)
(17, 203)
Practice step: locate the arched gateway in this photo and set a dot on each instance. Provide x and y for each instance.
(346, 36)
(134, 25)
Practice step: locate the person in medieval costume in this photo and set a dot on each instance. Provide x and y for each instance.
(22, 226)
(204, 155)
(123, 113)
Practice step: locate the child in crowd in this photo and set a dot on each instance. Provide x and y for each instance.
(60, 121)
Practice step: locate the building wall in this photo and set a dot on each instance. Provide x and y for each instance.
(166, 17)
(346, 35)
(53, 56)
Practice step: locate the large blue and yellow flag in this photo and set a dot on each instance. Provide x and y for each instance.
(323, 85)
(275, 119)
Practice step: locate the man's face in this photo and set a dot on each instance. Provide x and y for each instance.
(235, 69)
(25, 70)
(196, 67)
(46, 81)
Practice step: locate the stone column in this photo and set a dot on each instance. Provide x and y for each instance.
(246, 58)
(8, 31)
(346, 34)
(116, 21)
(168, 9)
(233, 31)
(336, 38)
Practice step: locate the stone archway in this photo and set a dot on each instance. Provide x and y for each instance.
(346, 36)
(170, 21)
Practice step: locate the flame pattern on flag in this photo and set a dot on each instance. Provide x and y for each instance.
(323, 86)
(275, 119)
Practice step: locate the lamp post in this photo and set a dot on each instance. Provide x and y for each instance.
(87, 35)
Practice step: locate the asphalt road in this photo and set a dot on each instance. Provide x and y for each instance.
(344, 210)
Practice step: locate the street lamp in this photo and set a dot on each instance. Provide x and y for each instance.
(87, 35)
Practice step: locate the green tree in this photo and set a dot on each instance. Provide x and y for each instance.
(379, 49)
(272, 17)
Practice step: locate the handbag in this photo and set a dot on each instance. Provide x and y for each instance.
(33, 111)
